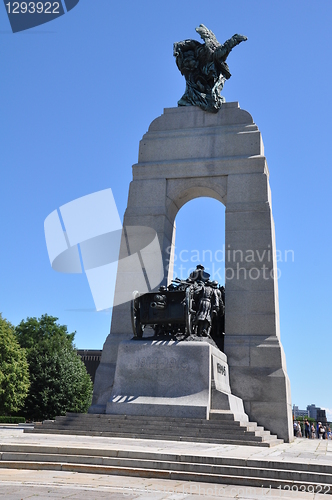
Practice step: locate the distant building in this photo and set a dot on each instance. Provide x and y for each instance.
(312, 411)
(91, 359)
(317, 413)
(321, 416)
(299, 413)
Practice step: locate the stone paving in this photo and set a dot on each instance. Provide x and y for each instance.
(26, 484)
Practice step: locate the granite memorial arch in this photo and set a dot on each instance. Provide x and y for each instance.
(188, 153)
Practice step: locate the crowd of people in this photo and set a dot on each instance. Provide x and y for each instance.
(312, 430)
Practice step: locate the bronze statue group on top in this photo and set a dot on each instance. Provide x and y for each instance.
(191, 309)
(204, 68)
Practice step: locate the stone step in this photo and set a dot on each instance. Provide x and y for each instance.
(143, 463)
(241, 480)
(111, 425)
(234, 434)
(173, 435)
(72, 419)
(158, 430)
(255, 441)
(93, 416)
(236, 471)
(258, 463)
(150, 425)
(221, 430)
(153, 431)
(156, 474)
(174, 429)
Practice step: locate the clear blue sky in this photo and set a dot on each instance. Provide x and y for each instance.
(78, 93)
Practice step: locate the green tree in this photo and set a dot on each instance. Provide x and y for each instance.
(59, 380)
(14, 372)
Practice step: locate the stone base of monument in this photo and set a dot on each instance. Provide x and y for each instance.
(166, 390)
(172, 379)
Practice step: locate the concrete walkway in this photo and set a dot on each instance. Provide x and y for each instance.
(24, 484)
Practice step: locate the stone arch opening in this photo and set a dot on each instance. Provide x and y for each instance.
(200, 238)
(181, 191)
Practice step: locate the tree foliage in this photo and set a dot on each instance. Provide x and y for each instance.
(45, 329)
(59, 380)
(14, 372)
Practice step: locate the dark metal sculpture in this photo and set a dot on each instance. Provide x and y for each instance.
(191, 309)
(204, 68)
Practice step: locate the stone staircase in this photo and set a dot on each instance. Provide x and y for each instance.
(222, 428)
(154, 463)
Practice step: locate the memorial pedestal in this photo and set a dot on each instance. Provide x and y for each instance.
(172, 379)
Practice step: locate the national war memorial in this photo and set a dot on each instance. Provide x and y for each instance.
(204, 147)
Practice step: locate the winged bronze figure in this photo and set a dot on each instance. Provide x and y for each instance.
(205, 69)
